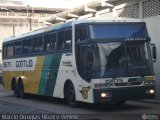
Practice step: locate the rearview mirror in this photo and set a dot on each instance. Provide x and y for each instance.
(154, 52)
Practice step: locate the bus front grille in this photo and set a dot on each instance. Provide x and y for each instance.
(128, 83)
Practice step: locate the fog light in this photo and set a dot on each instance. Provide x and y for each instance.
(151, 91)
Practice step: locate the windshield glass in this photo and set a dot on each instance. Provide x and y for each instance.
(116, 59)
(139, 59)
(123, 30)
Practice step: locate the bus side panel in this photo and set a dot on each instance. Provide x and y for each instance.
(7, 80)
(65, 72)
(29, 74)
(9, 73)
(33, 77)
(49, 74)
(55, 63)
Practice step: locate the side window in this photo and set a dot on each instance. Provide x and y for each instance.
(18, 48)
(10, 50)
(68, 39)
(38, 44)
(60, 45)
(27, 46)
(50, 42)
(4, 51)
(81, 33)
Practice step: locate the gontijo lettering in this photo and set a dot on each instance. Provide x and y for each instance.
(24, 63)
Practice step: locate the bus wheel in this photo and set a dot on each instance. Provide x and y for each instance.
(16, 92)
(21, 90)
(14, 87)
(70, 95)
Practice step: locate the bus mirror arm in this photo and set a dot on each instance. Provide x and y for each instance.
(154, 52)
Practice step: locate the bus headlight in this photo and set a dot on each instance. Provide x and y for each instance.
(150, 91)
(105, 94)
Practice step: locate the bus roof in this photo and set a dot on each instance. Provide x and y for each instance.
(69, 24)
(109, 20)
(39, 31)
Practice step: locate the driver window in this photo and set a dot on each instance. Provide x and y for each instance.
(84, 60)
(81, 33)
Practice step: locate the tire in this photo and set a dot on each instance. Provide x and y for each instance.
(15, 90)
(21, 90)
(70, 95)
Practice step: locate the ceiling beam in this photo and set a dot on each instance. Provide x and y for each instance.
(86, 16)
(56, 19)
(106, 4)
(72, 15)
(87, 9)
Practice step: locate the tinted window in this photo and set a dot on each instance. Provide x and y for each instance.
(50, 42)
(81, 32)
(18, 48)
(10, 50)
(38, 44)
(68, 39)
(60, 40)
(135, 30)
(4, 51)
(27, 46)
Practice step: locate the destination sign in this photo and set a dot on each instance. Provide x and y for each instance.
(136, 39)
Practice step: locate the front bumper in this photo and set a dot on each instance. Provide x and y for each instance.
(123, 94)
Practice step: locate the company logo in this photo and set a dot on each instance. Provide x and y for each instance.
(144, 117)
(84, 92)
(67, 63)
(114, 81)
(20, 64)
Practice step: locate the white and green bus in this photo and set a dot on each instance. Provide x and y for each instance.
(93, 60)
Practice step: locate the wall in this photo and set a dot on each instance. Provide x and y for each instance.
(5, 30)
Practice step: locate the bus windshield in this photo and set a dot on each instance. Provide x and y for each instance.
(115, 59)
(122, 30)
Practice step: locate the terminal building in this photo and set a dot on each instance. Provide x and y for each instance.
(17, 18)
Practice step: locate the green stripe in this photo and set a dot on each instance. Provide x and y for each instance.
(45, 69)
(49, 74)
(53, 74)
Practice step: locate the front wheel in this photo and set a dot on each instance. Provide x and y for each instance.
(70, 95)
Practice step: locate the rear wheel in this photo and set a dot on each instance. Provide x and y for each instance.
(14, 88)
(16, 92)
(20, 90)
(70, 95)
